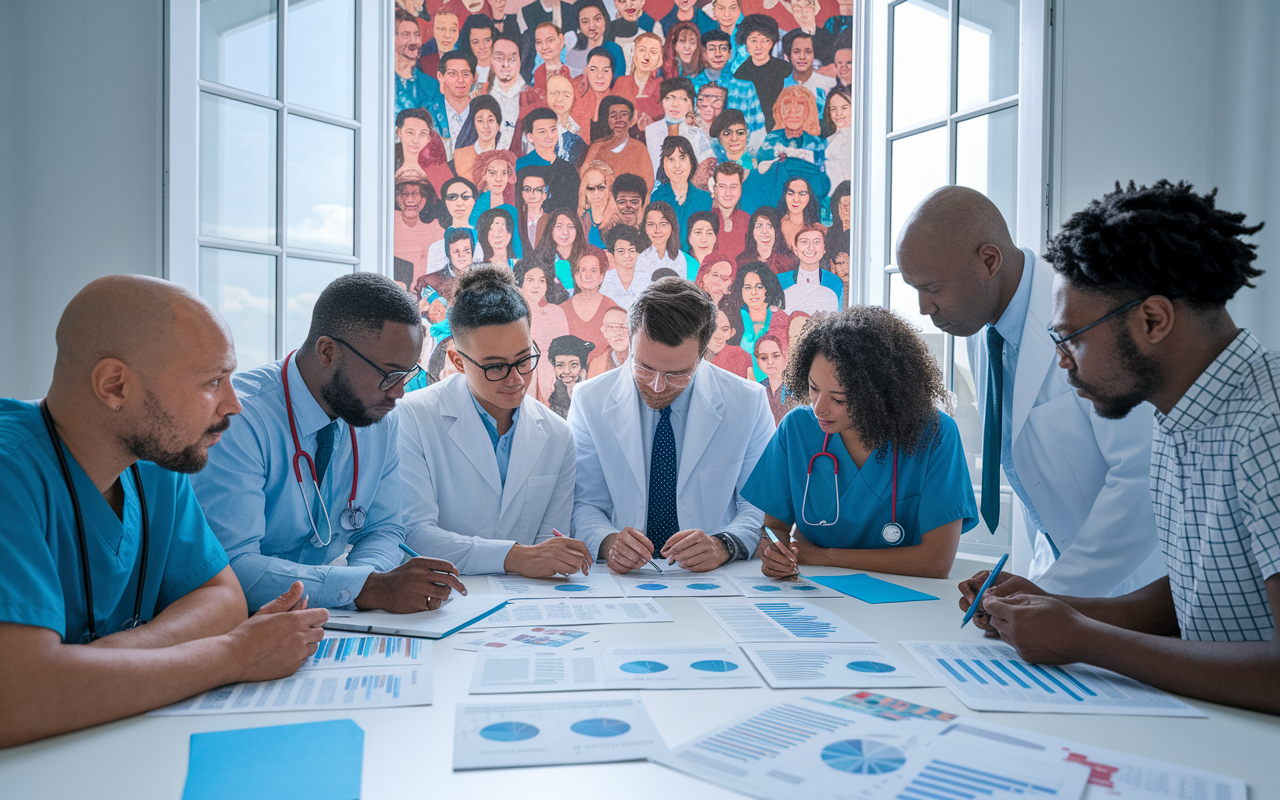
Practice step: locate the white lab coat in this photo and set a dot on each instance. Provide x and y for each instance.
(728, 426)
(1088, 478)
(455, 505)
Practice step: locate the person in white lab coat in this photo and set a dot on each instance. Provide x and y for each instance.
(488, 470)
(1083, 481)
(665, 444)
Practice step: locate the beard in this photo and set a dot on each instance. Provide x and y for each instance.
(345, 402)
(1143, 371)
(149, 445)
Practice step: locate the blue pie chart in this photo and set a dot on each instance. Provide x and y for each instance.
(643, 667)
(805, 588)
(714, 666)
(600, 727)
(573, 587)
(652, 587)
(704, 586)
(767, 588)
(870, 666)
(863, 757)
(509, 731)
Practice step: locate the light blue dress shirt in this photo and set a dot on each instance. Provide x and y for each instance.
(1010, 326)
(501, 444)
(255, 506)
(41, 583)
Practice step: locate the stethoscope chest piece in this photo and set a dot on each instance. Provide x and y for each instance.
(892, 533)
(352, 519)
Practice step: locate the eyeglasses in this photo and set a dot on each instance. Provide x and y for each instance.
(1061, 342)
(454, 197)
(735, 131)
(651, 378)
(534, 189)
(599, 188)
(389, 379)
(499, 372)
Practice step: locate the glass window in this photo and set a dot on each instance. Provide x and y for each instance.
(920, 44)
(988, 58)
(242, 286)
(987, 159)
(321, 181)
(304, 279)
(238, 44)
(237, 170)
(919, 166)
(322, 55)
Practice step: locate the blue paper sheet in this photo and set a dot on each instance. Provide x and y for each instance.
(312, 760)
(869, 589)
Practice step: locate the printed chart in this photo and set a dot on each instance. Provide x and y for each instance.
(346, 688)
(781, 621)
(338, 650)
(517, 638)
(688, 584)
(599, 583)
(584, 611)
(588, 729)
(760, 586)
(672, 667)
(991, 677)
(832, 666)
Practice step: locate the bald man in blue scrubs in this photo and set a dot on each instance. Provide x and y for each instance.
(96, 506)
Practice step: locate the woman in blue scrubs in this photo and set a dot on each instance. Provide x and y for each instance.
(873, 390)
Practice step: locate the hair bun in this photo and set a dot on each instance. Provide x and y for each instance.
(485, 278)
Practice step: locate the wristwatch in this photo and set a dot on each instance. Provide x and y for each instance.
(730, 545)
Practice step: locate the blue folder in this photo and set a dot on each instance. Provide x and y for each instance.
(312, 760)
(869, 589)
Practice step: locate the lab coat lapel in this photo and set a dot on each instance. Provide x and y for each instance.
(468, 434)
(623, 411)
(1036, 353)
(706, 409)
(526, 448)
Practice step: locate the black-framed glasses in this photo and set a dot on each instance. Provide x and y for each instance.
(1060, 342)
(453, 197)
(499, 372)
(389, 379)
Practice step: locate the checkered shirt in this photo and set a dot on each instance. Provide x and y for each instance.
(741, 95)
(1215, 483)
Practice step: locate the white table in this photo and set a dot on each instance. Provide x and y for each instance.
(408, 751)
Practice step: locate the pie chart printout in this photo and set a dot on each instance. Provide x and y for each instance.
(643, 667)
(600, 727)
(714, 666)
(767, 588)
(869, 666)
(652, 587)
(863, 757)
(509, 731)
(573, 587)
(704, 587)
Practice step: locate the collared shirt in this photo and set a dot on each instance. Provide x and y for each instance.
(501, 444)
(421, 91)
(1215, 483)
(611, 286)
(257, 509)
(509, 103)
(1010, 326)
(808, 293)
(41, 583)
(455, 120)
(742, 96)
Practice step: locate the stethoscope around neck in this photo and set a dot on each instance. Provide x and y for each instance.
(892, 532)
(353, 516)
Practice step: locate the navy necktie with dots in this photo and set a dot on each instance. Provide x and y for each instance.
(662, 520)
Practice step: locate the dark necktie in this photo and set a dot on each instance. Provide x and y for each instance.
(992, 427)
(324, 450)
(662, 521)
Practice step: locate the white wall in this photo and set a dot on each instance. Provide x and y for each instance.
(80, 164)
(1177, 89)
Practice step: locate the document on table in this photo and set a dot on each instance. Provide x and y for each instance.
(277, 761)
(805, 749)
(672, 667)
(574, 612)
(341, 649)
(989, 676)
(755, 620)
(456, 613)
(833, 666)
(523, 638)
(689, 584)
(599, 583)
(311, 690)
(585, 730)
(760, 586)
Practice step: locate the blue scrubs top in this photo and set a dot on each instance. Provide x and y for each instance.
(934, 487)
(40, 575)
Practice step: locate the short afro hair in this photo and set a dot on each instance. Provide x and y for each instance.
(360, 302)
(1164, 239)
(757, 23)
(891, 383)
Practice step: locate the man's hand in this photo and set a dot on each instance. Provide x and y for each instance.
(694, 550)
(1043, 629)
(558, 556)
(419, 584)
(278, 639)
(1006, 584)
(626, 550)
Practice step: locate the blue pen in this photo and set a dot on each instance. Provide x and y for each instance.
(977, 600)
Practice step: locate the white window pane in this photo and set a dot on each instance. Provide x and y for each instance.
(320, 180)
(237, 170)
(321, 49)
(238, 44)
(242, 286)
(921, 47)
(304, 280)
(919, 166)
(987, 159)
(988, 57)
(903, 300)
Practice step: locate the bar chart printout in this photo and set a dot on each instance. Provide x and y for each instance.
(833, 666)
(804, 749)
(339, 649)
(989, 676)
(750, 620)
(346, 688)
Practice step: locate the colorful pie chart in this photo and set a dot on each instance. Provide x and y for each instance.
(863, 757)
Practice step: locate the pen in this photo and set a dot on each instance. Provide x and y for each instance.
(560, 535)
(412, 554)
(968, 615)
(773, 537)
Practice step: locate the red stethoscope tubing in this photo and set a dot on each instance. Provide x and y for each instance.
(835, 471)
(299, 453)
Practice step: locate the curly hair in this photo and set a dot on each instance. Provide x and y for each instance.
(892, 384)
(812, 124)
(773, 294)
(1165, 240)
